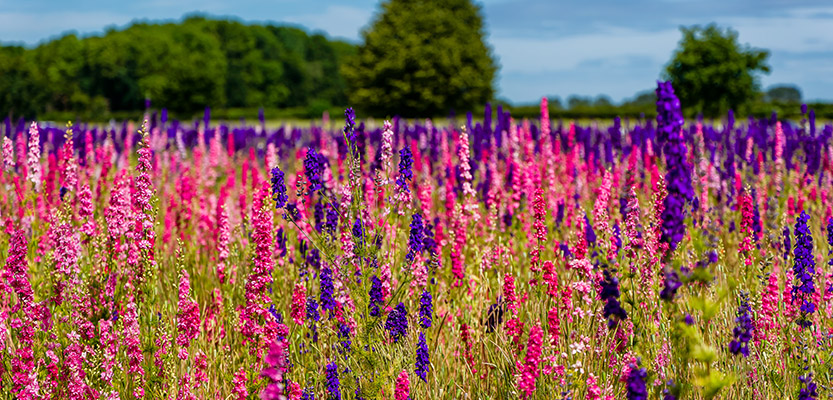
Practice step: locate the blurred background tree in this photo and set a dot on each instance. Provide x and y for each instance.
(783, 94)
(422, 58)
(712, 73)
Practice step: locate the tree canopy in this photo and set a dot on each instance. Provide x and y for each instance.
(422, 58)
(712, 73)
(182, 66)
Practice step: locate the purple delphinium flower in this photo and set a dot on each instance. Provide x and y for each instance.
(308, 394)
(406, 160)
(787, 243)
(422, 358)
(375, 295)
(332, 218)
(397, 322)
(670, 284)
(314, 169)
(327, 300)
(318, 216)
(350, 128)
(312, 309)
(358, 231)
(830, 240)
(279, 188)
(426, 309)
(415, 239)
(803, 270)
(743, 329)
(678, 176)
(344, 335)
(636, 383)
(808, 390)
(333, 385)
(609, 293)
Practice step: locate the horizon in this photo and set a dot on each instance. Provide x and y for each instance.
(599, 56)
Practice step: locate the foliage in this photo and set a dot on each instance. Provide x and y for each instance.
(422, 58)
(712, 73)
(186, 66)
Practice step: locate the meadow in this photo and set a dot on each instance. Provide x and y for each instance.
(489, 259)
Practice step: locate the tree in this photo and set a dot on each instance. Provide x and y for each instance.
(422, 58)
(783, 94)
(712, 73)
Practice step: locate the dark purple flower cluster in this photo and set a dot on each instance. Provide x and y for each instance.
(610, 295)
(804, 269)
(344, 335)
(415, 241)
(312, 309)
(678, 175)
(279, 188)
(333, 385)
(332, 218)
(308, 394)
(358, 231)
(426, 309)
(808, 391)
(743, 329)
(318, 216)
(830, 240)
(787, 243)
(422, 360)
(314, 169)
(406, 160)
(636, 383)
(669, 113)
(375, 295)
(428, 242)
(397, 322)
(670, 284)
(327, 300)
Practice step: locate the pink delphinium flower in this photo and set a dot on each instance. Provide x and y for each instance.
(554, 323)
(17, 271)
(8, 154)
(465, 174)
(223, 236)
(239, 383)
(529, 374)
(746, 228)
(33, 160)
(294, 391)
(142, 196)
(86, 210)
(67, 250)
(69, 166)
(200, 366)
(74, 365)
(403, 386)
(162, 346)
(188, 318)
(261, 275)
(184, 392)
(132, 341)
(299, 298)
(109, 350)
(540, 235)
(593, 390)
(601, 216)
(509, 294)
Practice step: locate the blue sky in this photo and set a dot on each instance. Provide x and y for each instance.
(545, 48)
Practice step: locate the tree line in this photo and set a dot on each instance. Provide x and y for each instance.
(182, 66)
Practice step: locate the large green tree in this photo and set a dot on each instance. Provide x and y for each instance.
(712, 73)
(422, 58)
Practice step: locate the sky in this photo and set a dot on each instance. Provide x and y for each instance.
(544, 47)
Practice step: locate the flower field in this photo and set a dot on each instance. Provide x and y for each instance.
(486, 259)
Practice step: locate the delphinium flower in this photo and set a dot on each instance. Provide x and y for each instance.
(223, 238)
(540, 234)
(375, 295)
(406, 160)
(279, 188)
(350, 128)
(331, 224)
(312, 310)
(416, 238)
(529, 371)
(239, 382)
(787, 245)
(746, 229)
(69, 167)
(808, 390)
(333, 385)
(326, 280)
(314, 170)
(74, 364)
(465, 175)
(743, 328)
(426, 309)
(609, 293)
(33, 160)
(804, 269)
(423, 362)
(636, 389)
(678, 176)
(273, 371)
(344, 335)
(86, 209)
(299, 298)
(8, 154)
(133, 343)
(671, 283)
(402, 389)
(142, 195)
(397, 322)
(260, 277)
(358, 231)
(188, 318)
